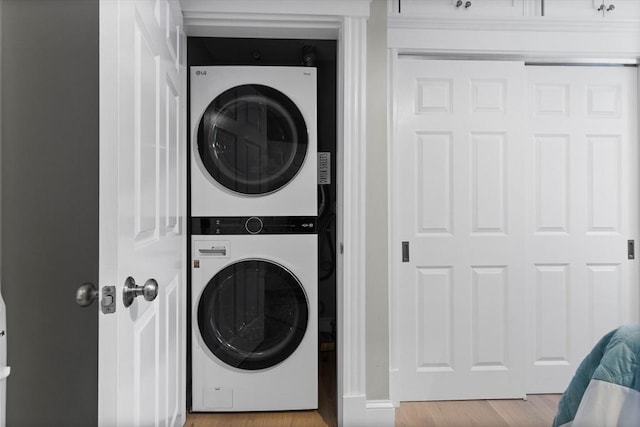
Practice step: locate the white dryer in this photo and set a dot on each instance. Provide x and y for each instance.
(253, 141)
(254, 315)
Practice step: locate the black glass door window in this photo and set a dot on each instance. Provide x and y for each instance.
(253, 314)
(252, 139)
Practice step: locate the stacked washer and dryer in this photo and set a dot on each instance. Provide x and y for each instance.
(254, 277)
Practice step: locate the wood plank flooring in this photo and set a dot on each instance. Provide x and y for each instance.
(538, 410)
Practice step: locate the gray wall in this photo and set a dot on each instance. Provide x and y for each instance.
(377, 272)
(50, 208)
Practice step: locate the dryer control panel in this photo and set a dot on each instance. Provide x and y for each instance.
(228, 225)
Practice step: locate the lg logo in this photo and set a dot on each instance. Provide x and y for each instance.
(201, 73)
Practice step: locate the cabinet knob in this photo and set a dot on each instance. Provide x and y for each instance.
(601, 8)
(467, 5)
(459, 3)
(611, 7)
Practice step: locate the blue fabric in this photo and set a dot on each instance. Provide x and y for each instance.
(570, 401)
(620, 363)
(614, 359)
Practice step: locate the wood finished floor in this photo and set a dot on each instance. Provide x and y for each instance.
(538, 410)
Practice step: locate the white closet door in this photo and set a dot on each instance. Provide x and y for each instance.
(459, 174)
(582, 205)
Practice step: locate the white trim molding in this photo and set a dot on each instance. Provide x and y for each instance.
(346, 22)
(376, 413)
(351, 299)
(380, 413)
(529, 37)
(272, 19)
(394, 307)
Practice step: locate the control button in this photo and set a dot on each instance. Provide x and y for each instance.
(253, 225)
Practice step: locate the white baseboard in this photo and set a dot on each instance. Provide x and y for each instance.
(357, 411)
(381, 413)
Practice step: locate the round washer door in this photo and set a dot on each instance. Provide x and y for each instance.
(253, 314)
(252, 139)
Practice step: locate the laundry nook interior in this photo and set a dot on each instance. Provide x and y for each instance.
(262, 205)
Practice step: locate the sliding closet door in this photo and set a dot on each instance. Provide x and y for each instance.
(582, 208)
(458, 166)
(514, 199)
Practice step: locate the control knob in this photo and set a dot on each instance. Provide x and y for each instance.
(253, 225)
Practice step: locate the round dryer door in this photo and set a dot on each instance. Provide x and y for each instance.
(253, 314)
(252, 139)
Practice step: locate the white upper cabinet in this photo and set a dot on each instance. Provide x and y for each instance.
(459, 8)
(592, 9)
(563, 9)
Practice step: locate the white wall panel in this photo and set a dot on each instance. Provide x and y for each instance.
(552, 171)
(434, 96)
(146, 390)
(489, 314)
(552, 331)
(172, 123)
(488, 96)
(146, 71)
(435, 319)
(604, 192)
(435, 182)
(488, 182)
(604, 291)
(604, 101)
(173, 351)
(551, 100)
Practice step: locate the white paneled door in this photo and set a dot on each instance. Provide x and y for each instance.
(582, 189)
(516, 191)
(142, 234)
(459, 174)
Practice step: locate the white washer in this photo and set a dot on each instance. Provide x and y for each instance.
(253, 141)
(254, 323)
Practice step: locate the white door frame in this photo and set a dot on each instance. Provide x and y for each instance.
(532, 39)
(346, 22)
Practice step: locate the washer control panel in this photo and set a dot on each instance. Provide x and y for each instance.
(253, 225)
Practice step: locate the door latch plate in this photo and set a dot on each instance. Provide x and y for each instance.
(108, 301)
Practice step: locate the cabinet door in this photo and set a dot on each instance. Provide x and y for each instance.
(593, 9)
(458, 8)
